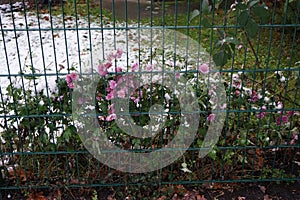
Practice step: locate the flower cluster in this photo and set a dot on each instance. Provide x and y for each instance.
(119, 86)
(70, 78)
(103, 68)
(259, 102)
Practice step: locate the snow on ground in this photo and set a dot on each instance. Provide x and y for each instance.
(46, 51)
(29, 42)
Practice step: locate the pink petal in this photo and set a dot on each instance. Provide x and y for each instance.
(71, 85)
(73, 76)
(204, 68)
(135, 66)
(102, 70)
(211, 117)
(112, 84)
(119, 53)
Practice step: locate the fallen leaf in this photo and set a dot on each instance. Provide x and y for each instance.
(110, 198)
(162, 198)
(16, 173)
(46, 18)
(200, 197)
(262, 188)
(74, 181)
(175, 197)
(56, 35)
(36, 196)
(266, 197)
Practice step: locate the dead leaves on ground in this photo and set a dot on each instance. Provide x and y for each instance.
(180, 193)
(17, 173)
(36, 196)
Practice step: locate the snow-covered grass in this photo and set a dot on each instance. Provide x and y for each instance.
(41, 43)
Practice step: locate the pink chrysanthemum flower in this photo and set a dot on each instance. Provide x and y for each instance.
(204, 68)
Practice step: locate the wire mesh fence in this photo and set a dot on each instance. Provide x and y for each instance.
(143, 93)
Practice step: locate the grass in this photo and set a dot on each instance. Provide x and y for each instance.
(274, 48)
(85, 9)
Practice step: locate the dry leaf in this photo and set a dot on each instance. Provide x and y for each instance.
(162, 198)
(175, 197)
(200, 197)
(46, 18)
(266, 197)
(259, 154)
(36, 196)
(262, 188)
(56, 35)
(16, 173)
(74, 181)
(110, 198)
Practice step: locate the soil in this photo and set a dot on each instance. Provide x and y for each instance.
(233, 191)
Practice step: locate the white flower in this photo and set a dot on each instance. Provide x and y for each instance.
(266, 99)
(259, 96)
(279, 105)
(282, 79)
(235, 77)
(184, 168)
(279, 73)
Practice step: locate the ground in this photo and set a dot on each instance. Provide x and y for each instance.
(231, 191)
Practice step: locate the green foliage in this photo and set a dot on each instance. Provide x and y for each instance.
(246, 13)
(40, 119)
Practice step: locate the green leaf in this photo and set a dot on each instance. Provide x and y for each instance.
(194, 14)
(251, 28)
(213, 154)
(241, 6)
(217, 3)
(261, 12)
(218, 43)
(69, 132)
(206, 8)
(243, 18)
(220, 58)
(231, 40)
(221, 34)
(205, 22)
(253, 3)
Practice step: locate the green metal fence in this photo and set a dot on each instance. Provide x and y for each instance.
(48, 48)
